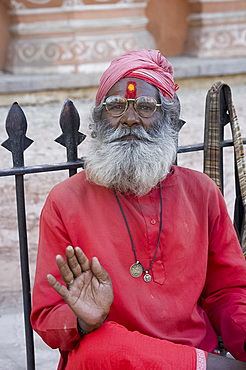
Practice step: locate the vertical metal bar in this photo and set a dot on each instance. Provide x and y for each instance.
(72, 171)
(16, 126)
(224, 119)
(221, 158)
(238, 206)
(21, 214)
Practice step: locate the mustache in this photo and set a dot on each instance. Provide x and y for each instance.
(111, 134)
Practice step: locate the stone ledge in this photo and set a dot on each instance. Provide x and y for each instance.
(10, 83)
(184, 67)
(188, 67)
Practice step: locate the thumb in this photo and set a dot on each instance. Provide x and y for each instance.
(98, 270)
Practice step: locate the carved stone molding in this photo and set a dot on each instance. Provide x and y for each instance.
(70, 55)
(216, 31)
(210, 42)
(16, 5)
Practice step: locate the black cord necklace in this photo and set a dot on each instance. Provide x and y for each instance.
(137, 268)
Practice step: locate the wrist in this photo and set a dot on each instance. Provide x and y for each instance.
(82, 332)
(84, 328)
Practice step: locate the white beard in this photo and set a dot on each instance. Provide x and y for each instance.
(131, 165)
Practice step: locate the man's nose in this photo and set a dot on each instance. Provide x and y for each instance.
(130, 117)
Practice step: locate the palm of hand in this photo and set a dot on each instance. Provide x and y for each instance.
(89, 291)
(89, 298)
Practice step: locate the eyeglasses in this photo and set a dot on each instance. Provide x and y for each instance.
(145, 106)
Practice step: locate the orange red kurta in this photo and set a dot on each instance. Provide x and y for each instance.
(198, 278)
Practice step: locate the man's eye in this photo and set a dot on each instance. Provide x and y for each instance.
(116, 107)
(145, 107)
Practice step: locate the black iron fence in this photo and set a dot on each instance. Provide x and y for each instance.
(17, 143)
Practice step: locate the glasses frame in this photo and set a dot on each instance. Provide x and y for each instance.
(134, 105)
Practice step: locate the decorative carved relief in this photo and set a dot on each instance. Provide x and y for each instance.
(16, 5)
(70, 50)
(30, 52)
(214, 42)
(75, 52)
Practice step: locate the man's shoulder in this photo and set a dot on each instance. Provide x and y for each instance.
(194, 180)
(188, 174)
(69, 188)
(72, 182)
(76, 188)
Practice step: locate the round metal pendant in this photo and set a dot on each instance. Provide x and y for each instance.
(147, 278)
(136, 270)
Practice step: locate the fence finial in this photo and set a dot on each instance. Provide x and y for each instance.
(16, 127)
(71, 137)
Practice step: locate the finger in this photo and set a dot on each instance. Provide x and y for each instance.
(59, 288)
(72, 261)
(99, 271)
(66, 273)
(83, 260)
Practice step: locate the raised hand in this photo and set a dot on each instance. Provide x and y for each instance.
(89, 291)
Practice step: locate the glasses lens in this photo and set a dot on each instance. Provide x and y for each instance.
(145, 106)
(116, 105)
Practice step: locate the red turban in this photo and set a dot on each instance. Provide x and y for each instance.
(148, 65)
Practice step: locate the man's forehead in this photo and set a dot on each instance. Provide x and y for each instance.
(131, 90)
(134, 87)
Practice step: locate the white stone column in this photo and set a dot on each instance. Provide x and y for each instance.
(74, 36)
(217, 28)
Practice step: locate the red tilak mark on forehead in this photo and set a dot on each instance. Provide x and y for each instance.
(131, 90)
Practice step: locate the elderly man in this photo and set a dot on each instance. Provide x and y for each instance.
(138, 263)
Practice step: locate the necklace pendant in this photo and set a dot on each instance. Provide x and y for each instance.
(147, 277)
(136, 270)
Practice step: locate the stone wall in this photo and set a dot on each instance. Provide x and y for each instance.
(168, 23)
(4, 31)
(217, 28)
(83, 36)
(73, 36)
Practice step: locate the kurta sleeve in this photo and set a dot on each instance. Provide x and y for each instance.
(51, 317)
(224, 296)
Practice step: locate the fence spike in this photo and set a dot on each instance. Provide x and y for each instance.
(71, 137)
(16, 127)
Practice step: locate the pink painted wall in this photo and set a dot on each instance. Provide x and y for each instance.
(168, 24)
(4, 31)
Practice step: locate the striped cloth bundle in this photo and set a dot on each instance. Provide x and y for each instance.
(219, 111)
